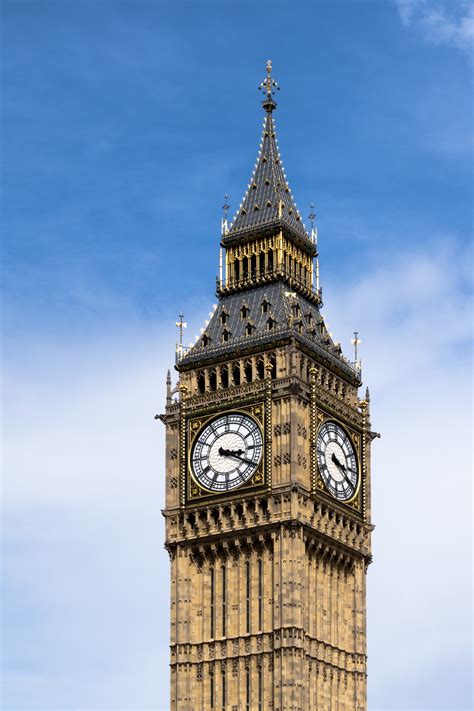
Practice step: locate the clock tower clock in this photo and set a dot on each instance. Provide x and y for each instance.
(267, 477)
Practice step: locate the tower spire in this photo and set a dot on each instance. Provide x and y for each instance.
(268, 202)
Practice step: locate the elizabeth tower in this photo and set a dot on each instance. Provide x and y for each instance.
(267, 477)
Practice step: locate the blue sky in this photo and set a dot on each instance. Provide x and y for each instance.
(124, 123)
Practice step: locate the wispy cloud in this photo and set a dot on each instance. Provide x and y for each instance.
(84, 569)
(442, 22)
(415, 308)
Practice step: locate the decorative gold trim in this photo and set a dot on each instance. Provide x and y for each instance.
(268, 426)
(363, 407)
(182, 447)
(314, 417)
(195, 425)
(321, 484)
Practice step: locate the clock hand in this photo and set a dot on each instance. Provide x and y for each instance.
(242, 459)
(230, 452)
(337, 462)
(341, 467)
(235, 454)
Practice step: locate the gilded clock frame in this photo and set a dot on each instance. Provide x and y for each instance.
(356, 501)
(195, 493)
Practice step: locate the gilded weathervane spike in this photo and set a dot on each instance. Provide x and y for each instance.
(269, 85)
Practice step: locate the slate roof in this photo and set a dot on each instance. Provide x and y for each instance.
(304, 323)
(268, 199)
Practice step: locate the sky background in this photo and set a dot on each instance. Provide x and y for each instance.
(124, 123)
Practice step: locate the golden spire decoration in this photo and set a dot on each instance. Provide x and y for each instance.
(269, 85)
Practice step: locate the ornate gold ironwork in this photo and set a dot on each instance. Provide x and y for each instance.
(193, 490)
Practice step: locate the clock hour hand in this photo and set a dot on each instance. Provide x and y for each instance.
(341, 467)
(337, 462)
(235, 454)
(230, 452)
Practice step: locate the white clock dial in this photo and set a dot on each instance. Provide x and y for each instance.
(227, 452)
(337, 461)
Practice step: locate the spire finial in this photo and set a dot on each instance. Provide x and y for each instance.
(356, 342)
(314, 240)
(226, 206)
(269, 85)
(168, 388)
(181, 325)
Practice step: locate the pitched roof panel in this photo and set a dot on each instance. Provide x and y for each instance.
(268, 197)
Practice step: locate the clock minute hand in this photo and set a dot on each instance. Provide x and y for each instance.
(242, 459)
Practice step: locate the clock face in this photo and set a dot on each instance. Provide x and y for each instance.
(227, 452)
(337, 461)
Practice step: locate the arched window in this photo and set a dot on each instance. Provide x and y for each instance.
(248, 371)
(225, 376)
(272, 360)
(236, 373)
(201, 382)
(212, 380)
(253, 265)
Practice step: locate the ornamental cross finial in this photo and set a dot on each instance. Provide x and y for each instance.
(312, 215)
(269, 85)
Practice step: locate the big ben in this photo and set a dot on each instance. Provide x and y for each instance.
(268, 520)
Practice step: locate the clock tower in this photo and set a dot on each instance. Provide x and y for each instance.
(267, 477)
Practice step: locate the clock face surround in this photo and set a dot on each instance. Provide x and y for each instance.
(337, 461)
(227, 452)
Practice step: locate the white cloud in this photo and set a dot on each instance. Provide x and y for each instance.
(442, 22)
(85, 593)
(86, 579)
